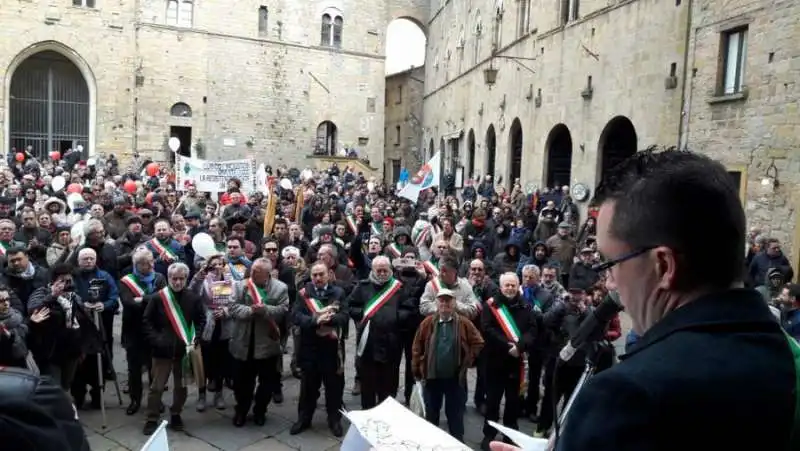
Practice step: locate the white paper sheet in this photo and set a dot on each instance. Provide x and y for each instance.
(526, 442)
(390, 426)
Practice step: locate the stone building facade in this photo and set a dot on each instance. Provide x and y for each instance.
(576, 84)
(554, 91)
(403, 116)
(742, 105)
(280, 79)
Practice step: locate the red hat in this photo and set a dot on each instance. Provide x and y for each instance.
(389, 220)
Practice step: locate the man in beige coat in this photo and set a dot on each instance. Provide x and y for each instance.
(261, 304)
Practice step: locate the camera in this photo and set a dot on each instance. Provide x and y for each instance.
(69, 285)
(96, 287)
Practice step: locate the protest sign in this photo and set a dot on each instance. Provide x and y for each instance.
(213, 176)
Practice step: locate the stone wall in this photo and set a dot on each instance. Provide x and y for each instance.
(753, 132)
(627, 47)
(251, 91)
(404, 94)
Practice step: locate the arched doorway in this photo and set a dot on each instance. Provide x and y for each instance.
(491, 150)
(617, 143)
(515, 154)
(181, 114)
(559, 156)
(470, 170)
(49, 104)
(431, 151)
(405, 48)
(326, 139)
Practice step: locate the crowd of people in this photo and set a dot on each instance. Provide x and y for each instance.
(495, 282)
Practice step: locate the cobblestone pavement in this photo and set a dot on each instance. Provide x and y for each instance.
(213, 430)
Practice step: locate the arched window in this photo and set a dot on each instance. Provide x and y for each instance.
(331, 30)
(326, 139)
(180, 13)
(180, 109)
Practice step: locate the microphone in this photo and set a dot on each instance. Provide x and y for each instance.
(593, 327)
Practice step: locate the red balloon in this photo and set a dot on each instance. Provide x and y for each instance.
(152, 169)
(130, 186)
(55, 155)
(74, 188)
(19, 157)
(148, 199)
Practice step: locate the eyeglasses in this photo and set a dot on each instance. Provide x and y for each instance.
(608, 264)
(270, 249)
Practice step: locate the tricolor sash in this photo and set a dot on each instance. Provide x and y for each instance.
(314, 305)
(376, 230)
(506, 321)
(175, 315)
(132, 283)
(259, 297)
(163, 250)
(511, 331)
(423, 235)
(3, 248)
(257, 294)
(394, 249)
(431, 268)
(380, 299)
(351, 222)
(436, 284)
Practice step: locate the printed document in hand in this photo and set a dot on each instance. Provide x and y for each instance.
(526, 442)
(391, 427)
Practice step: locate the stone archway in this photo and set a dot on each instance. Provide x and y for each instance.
(50, 101)
(618, 141)
(515, 151)
(491, 151)
(559, 157)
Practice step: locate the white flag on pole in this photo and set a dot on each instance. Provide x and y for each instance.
(426, 177)
(158, 441)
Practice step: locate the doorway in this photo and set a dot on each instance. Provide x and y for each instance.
(184, 134)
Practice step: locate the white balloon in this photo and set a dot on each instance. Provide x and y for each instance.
(174, 144)
(91, 162)
(286, 184)
(58, 183)
(76, 232)
(203, 245)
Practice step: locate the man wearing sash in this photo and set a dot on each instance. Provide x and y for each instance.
(440, 247)
(320, 312)
(134, 289)
(172, 321)
(261, 303)
(165, 249)
(380, 307)
(467, 303)
(401, 240)
(509, 328)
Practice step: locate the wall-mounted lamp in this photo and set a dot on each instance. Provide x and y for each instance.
(771, 175)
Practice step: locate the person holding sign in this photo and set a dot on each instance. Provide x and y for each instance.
(320, 312)
(172, 321)
(380, 307)
(261, 303)
(509, 328)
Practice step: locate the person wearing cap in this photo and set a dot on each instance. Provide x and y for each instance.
(444, 348)
(58, 251)
(562, 250)
(582, 274)
(466, 302)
